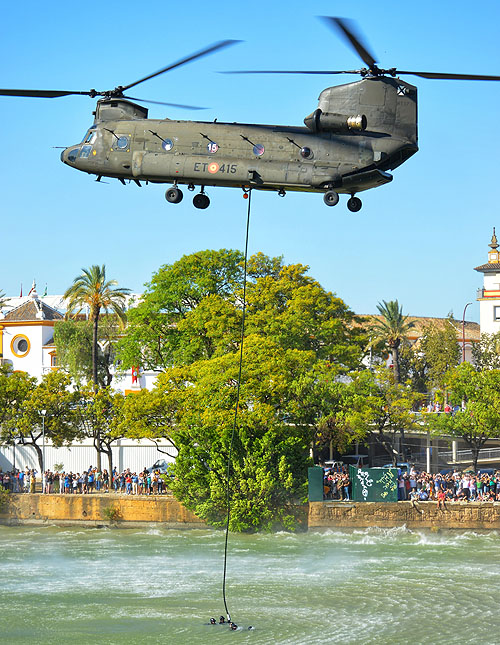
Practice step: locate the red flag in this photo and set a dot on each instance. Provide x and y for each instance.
(21, 294)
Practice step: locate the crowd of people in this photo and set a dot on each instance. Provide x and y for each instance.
(454, 485)
(146, 482)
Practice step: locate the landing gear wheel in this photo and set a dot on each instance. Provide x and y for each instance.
(201, 201)
(354, 204)
(174, 195)
(331, 198)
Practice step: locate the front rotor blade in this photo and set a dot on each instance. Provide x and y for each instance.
(183, 61)
(297, 71)
(347, 29)
(44, 94)
(176, 105)
(453, 77)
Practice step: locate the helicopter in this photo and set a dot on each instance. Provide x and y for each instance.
(359, 132)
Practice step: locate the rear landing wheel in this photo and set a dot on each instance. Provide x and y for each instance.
(174, 195)
(201, 201)
(354, 204)
(331, 198)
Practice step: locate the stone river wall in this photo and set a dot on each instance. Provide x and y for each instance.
(456, 515)
(128, 511)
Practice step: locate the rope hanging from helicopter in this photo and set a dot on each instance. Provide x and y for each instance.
(247, 194)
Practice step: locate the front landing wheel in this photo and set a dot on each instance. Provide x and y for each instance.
(174, 195)
(331, 198)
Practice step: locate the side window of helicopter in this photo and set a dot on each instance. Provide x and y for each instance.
(122, 143)
(258, 150)
(167, 144)
(306, 153)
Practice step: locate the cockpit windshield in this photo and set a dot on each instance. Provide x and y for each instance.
(90, 135)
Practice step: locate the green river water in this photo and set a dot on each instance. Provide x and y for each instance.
(101, 586)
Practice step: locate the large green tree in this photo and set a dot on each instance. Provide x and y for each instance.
(92, 290)
(48, 412)
(194, 407)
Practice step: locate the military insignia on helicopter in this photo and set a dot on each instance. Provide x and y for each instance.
(212, 147)
(213, 168)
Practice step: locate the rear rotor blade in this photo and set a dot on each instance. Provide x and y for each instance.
(204, 52)
(348, 30)
(452, 77)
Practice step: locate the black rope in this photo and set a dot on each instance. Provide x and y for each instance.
(228, 492)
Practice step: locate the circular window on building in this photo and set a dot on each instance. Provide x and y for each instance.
(20, 345)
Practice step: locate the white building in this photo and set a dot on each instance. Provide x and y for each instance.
(27, 344)
(489, 294)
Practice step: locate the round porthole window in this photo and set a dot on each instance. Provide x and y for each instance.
(167, 144)
(306, 153)
(122, 143)
(258, 150)
(20, 345)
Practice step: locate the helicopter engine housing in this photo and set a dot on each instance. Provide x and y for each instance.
(320, 121)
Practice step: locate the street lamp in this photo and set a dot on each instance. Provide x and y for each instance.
(43, 413)
(463, 332)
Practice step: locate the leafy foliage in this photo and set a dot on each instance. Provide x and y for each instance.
(392, 329)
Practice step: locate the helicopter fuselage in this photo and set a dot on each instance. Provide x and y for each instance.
(327, 155)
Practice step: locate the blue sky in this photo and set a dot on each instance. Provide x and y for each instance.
(416, 239)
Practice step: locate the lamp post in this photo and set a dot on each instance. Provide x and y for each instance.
(463, 332)
(43, 413)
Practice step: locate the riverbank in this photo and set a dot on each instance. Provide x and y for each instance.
(127, 511)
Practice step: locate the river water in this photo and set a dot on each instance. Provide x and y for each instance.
(100, 586)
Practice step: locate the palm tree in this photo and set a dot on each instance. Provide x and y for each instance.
(92, 290)
(391, 329)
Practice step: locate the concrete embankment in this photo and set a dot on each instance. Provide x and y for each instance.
(129, 511)
(95, 510)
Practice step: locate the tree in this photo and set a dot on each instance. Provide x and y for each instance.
(15, 388)
(53, 395)
(99, 417)
(392, 328)
(74, 342)
(375, 405)
(478, 417)
(194, 407)
(441, 351)
(486, 353)
(192, 311)
(197, 285)
(91, 289)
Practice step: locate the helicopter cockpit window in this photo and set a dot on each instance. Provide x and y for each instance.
(85, 151)
(90, 136)
(122, 143)
(73, 154)
(258, 150)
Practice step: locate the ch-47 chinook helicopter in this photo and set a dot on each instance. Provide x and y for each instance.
(359, 132)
